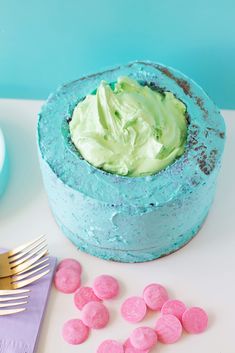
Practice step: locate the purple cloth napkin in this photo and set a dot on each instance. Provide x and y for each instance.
(19, 332)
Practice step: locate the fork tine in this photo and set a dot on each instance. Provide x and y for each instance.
(22, 247)
(7, 299)
(28, 263)
(6, 305)
(13, 291)
(35, 265)
(25, 282)
(28, 273)
(27, 250)
(27, 257)
(10, 312)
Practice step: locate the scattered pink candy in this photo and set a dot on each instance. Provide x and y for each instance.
(67, 280)
(195, 320)
(155, 295)
(168, 328)
(70, 263)
(105, 287)
(75, 332)
(174, 307)
(143, 338)
(95, 315)
(83, 296)
(129, 348)
(110, 346)
(133, 309)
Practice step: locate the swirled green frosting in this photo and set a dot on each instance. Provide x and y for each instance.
(129, 129)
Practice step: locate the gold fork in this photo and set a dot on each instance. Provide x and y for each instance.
(11, 301)
(23, 257)
(23, 279)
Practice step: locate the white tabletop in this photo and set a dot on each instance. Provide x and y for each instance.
(2, 150)
(200, 274)
(3, 175)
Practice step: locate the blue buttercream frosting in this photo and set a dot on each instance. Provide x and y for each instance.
(131, 219)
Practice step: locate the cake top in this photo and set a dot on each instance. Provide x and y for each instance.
(128, 128)
(200, 160)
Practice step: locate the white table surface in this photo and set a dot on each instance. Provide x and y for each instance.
(200, 274)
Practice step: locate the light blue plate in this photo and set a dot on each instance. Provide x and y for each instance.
(3, 164)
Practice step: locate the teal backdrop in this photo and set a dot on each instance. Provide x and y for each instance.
(45, 43)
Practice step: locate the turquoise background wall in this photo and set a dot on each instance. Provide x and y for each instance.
(45, 43)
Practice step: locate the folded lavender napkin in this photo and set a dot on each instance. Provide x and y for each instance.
(19, 332)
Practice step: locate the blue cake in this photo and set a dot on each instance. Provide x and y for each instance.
(131, 218)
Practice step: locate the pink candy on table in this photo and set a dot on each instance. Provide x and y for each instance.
(195, 320)
(75, 332)
(155, 295)
(168, 328)
(174, 307)
(105, 287)
(110, 346)
(70, 263)
(129, 348)
(67, 280)
(95, 315)
(133, 309)
(83, 296)
(143, 338)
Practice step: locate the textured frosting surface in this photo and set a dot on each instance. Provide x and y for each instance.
(129, 129)
(126, 218)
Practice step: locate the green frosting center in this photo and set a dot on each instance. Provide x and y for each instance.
(129, 129)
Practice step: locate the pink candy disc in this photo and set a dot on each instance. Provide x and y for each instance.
(95, 315)
(83, 296)
(195, 320)
(174, 307)
(105, 287)
(70, 263)
(143, 338)
(129, 348)
(75, 332)
(168, 328)
(155, 296)
(133, 309)
(110, 346)
(67, 280)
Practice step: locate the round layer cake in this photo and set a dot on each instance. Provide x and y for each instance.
(131, 218)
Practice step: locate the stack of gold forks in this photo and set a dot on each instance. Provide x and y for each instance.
(18, 268)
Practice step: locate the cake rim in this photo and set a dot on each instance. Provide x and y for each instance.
(183, 86)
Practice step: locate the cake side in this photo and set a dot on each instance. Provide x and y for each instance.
(104, 231)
